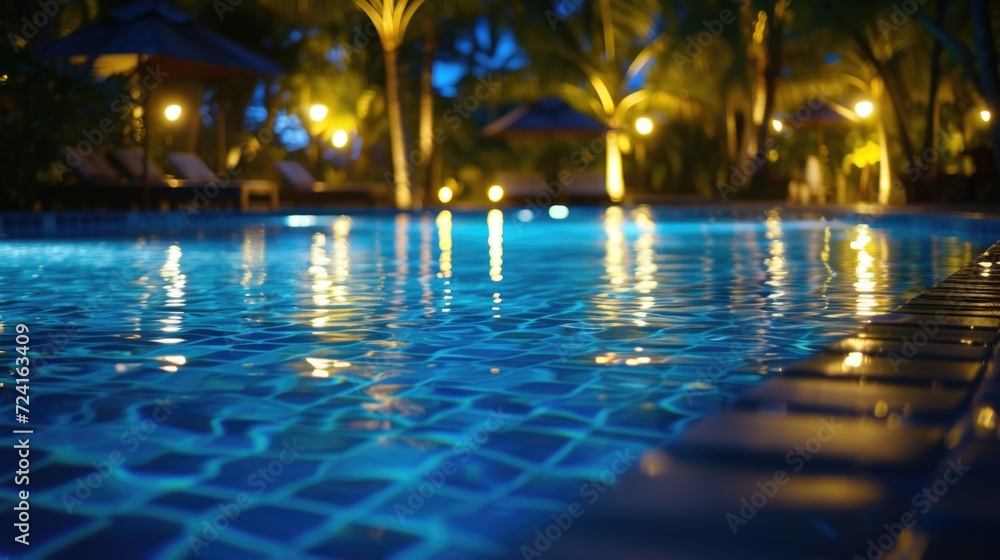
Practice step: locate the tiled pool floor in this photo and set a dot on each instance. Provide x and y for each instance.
(411, 386)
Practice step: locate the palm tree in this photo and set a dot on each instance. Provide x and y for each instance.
(436, 18)
(609, 52)
(391, 19)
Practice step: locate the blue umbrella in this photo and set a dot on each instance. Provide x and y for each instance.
(151, 35)
(547, 117)
(161, 34)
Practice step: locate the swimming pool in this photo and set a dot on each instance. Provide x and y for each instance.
(413, 385)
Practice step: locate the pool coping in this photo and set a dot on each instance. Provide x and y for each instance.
(14, 225)
(900, 422)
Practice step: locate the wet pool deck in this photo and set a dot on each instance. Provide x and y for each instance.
(887, 440)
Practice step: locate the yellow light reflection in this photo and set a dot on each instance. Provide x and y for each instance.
(386, 402)
(174, 283)
(987, 418)
(341, 258)
(443, 222)
(645, 262)
(865, 284)
(494, 221)
(426, 255)
(321, 284)
(615, 248)
(254, 244)
(854, 359)
(775, 262)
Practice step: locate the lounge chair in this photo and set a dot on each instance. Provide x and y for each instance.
(305, 190)
(93, 184)
(193, 171)
(164, 190)
(130, 160)
(93, 169)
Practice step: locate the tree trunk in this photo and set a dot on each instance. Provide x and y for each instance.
(400, 171)
(614, 176)
(427, 110)
(983, 36)
(771, 69)
(933, 110)
(884, 170)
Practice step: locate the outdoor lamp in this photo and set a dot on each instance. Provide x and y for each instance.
(495, 193)
(985, 115)
(864, 108)
(340, 138)
(318, 112)
(172, 112)
(445, 195)
(643, 125)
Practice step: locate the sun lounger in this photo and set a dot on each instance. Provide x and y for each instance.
(305, 190)
(193, 171)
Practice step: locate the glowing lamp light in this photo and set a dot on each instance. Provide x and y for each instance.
(495, 194)
(985, 115)
(777, 125)
(864, 108)
(643, 125)
(558, 212)
(318, 112)
(172, 112)
(445, 195)
(340, 138)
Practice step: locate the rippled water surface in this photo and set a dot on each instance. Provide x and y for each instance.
(411, 386)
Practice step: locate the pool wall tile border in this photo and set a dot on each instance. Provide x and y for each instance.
(888, 483)
(15, 225)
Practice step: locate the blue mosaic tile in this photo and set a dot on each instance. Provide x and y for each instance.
(382, 343)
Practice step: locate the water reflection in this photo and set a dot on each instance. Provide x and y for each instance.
(443, 222)
(254, 246)
(865, 278)
(174, 283)
(775, 262)
(615, 248)
(331, 272)
(494, 221)
(645, 263)
(426, 294)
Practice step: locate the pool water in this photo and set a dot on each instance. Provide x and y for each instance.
(410, 386)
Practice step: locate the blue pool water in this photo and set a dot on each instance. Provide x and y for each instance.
(408, 386)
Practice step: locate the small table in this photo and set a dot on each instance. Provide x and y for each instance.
(256, 187)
